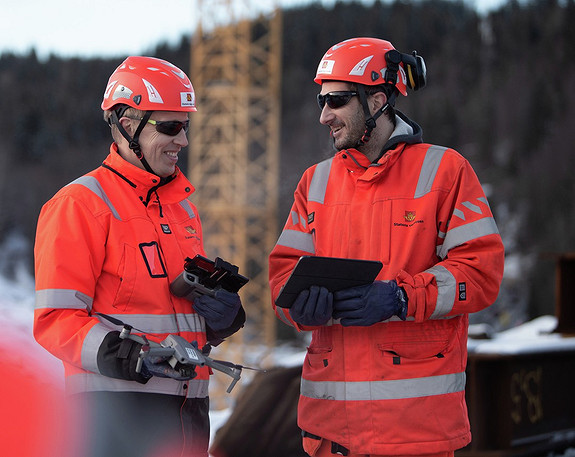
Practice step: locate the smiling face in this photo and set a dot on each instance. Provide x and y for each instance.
(347, 123)
(160, 150)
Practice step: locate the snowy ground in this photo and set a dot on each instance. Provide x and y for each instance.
(17, 302)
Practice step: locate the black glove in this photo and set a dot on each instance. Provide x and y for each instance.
(118, 358)
(159, 366)
(369, 304)
(218, 311)
(312, 307)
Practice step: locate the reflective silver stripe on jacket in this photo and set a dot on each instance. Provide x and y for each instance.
(92, 184)
(159, 323)
(90, 346)
(188, 208)
(283, 314)
(90, 382)
(399, 389)
(298, 219)
(62, 299)
(297, 240)
(446, 288)
(318, 185)
(429, 169)
(460, 235)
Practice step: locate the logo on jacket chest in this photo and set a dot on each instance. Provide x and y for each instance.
(409, 219)
(193, 233)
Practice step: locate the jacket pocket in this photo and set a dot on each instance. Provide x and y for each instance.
(127, 273)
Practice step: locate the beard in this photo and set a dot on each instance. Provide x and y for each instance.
(353, 131)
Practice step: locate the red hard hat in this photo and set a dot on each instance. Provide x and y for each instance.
(149, 84)
(361, 61)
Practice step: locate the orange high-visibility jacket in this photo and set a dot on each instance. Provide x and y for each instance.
(111, 242)
(394, 387)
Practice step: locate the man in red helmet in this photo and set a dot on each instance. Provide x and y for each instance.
(108, 245)
(384, 374)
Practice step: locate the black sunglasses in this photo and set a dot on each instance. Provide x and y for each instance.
(171, 128)
(335, 99)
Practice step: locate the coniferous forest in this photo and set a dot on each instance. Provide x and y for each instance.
(501, 91)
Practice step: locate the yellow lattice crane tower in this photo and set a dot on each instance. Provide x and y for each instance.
(234, 148)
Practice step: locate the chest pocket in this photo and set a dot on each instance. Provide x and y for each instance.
(153, 259)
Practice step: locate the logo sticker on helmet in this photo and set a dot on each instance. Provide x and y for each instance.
(187, 99)
(325, 67)
(360, 67)
(153, 94)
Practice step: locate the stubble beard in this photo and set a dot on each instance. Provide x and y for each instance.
(355, 128)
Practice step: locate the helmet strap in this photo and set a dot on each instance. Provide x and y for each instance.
(133, 142)
(371, 119)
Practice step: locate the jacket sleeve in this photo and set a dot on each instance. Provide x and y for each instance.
(294, 241)
(470, 252)
(69, 254)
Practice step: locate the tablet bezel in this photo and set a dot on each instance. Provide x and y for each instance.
(333, 273)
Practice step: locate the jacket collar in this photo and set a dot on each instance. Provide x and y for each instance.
(406, 131)
(143, 182)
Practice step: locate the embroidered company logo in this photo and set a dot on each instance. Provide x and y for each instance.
(192, 231)
(410, 219)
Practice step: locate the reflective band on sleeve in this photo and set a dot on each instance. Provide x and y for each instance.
(62, 299)
(318, 183)
(159, 323)
(384, 390)
(90, 346)
(446, 291)
(282, 314)
(297, 219)
(472, 207)
(429, 169)
(459, 235)
(92, 183)
(297, 240)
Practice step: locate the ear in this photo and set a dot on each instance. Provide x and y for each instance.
(128, 125)
(378, 101)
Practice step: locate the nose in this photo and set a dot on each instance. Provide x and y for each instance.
(181, 139)
(326, 116)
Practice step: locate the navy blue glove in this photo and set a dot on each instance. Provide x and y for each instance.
(312, 307)
(369, 304)
(218, 311)
(158, 366)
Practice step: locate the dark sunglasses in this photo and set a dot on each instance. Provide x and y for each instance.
(171, 128)
(335, 99)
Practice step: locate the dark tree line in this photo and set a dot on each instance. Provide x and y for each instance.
(501, 90)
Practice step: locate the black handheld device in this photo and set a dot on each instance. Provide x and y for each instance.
(202, 276)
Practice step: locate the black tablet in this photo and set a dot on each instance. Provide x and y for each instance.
(330, 272)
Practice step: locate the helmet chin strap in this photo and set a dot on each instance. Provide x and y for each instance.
(133, 141)
(370, 119)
